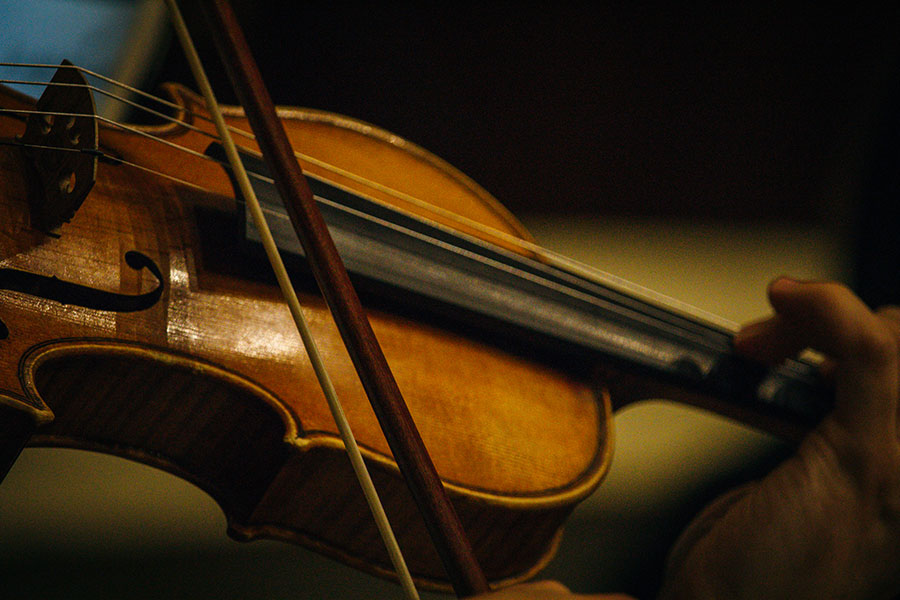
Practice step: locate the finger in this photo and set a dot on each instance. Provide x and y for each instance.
(890, 312)
(770, 341)
(829, 318)
(773, 341)
(890, 316)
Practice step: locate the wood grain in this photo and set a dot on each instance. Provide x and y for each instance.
(215, 364)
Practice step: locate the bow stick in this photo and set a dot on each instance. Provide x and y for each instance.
(399, 430)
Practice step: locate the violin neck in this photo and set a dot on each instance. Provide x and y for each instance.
(541, 306)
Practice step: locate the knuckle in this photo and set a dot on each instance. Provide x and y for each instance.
(889, 313)
(830, 298)
(890, 317)
(836, 295)
(870, 336)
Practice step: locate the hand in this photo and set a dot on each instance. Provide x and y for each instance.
(825, 523)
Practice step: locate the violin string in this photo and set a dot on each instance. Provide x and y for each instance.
(178, 108)
(103, 78)
(569, 291)
(290, 295)
(90, 73)
(116, 159)
(570, 266)
(556, 259)
(322, 164)
(130, 129)
(552, 258)
(595, 299)
(516, 269)
(114, 123)
(119, 98)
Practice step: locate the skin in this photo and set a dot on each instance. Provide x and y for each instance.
(826, 522)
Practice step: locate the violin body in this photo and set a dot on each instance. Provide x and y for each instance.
(206, 378)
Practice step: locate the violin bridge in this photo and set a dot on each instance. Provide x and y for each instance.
(60, 147)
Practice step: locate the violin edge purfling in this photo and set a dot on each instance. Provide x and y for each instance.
(191, 267)
(188, 279)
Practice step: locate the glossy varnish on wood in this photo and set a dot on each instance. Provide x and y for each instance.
(211, 382)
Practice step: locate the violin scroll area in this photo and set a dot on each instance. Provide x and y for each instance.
(60, 147)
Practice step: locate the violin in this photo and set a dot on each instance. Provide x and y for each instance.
(138, 319)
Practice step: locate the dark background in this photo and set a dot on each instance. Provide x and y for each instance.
(732, 113)
(737, 114)
(742, 114)
(784, 114)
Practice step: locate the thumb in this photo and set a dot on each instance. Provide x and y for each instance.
(829, 318)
